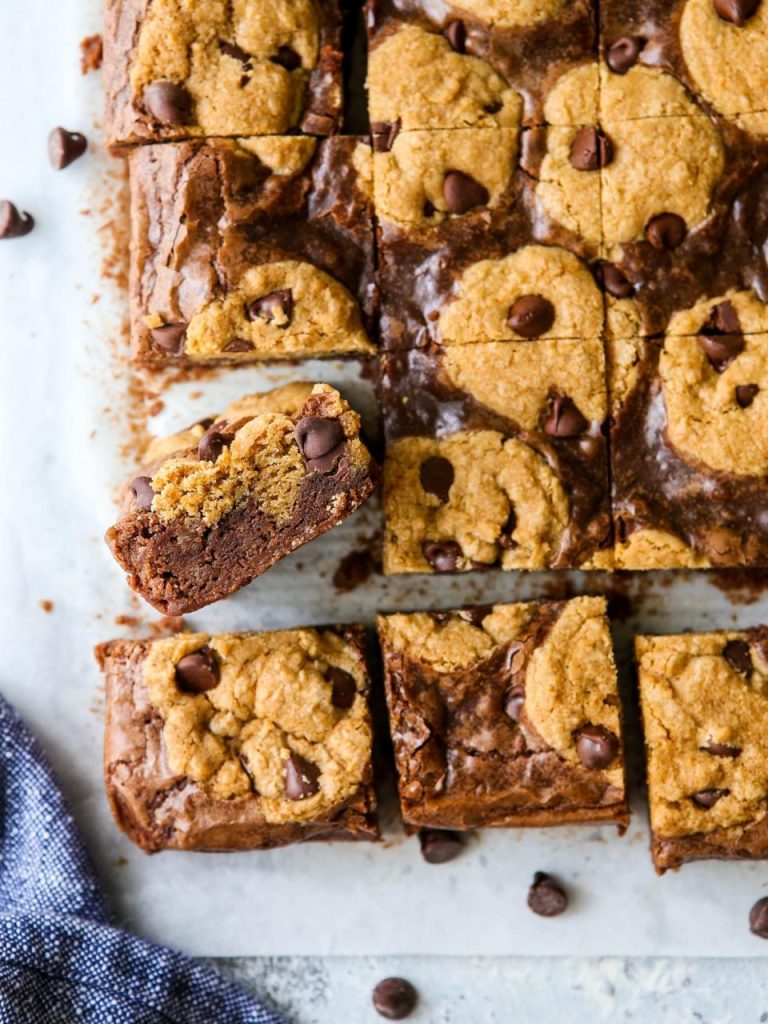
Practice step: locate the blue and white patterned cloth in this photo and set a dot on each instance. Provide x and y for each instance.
(60, 960)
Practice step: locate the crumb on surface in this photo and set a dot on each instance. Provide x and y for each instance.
(91, 53)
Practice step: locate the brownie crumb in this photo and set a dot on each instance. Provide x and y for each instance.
(91, 53)
(46, 606)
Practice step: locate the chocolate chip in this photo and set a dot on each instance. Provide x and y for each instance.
(436, 476)
(212, 444)
(564, 419)
(442, 555)
(613, 280)
(738, 12)
(169, 338)
(462, 193)
(198, 672)
(235, 51)
(383, 135)
(745, 395)
(321, 442)
(143, 494)
(546, 897)
(168, 102)
(596, 746)
(591, 149)
(722, 319)
(739, 657)
(276, 305)
(531, 316)
(439, 846)
(721, 349)
(14, 224)
(666, 231)
(513, 703)
(758, 918)
(428, 209)
(721, 749)
(622, 55)
(65, 147)
(238, 345)
(301, 778)
(344, 688)
(456, 34)
(287, 58)
(506, 540)
(707, 798)
(394, 998)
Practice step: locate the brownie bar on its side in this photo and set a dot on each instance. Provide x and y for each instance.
(175, 70)
(251, 249)
(496, 456)
(223, 501)
(705, 714)
(505, 716)
(242, 741)
(689, 451)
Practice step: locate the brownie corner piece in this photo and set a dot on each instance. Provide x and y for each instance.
(506, 715)
(219, 503)
(175, 71)
(705, 718)
(239, 741)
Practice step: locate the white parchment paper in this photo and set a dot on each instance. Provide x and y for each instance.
(64, 418)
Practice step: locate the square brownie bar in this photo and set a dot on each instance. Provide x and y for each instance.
(251, 249)
(219, 503)
(176, 70)
(479, 64)
(241, 741)
(689, 451)
(476, 245)
(705, 714)
(496, 456)
(505, 716)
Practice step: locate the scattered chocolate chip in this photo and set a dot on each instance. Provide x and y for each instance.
(739, 657)
(513, 703)
(622, 55)
(722, 319)
(143, 494)
(462, 193)
(745, 395)
(168, 102)
(613, 280)
(343, 686)
(439, 846)
(14, 224)
(758, 918)
(169, 338)
(721, 349)
(436, 476)
(707, 798)
(394, 998)
(286, 58)
(442, 555)
(320, 441)
(564, 419)
(235, 51)
(456, 34)
(596, 746)
(238, 345)
(212, 444)
(546, 897)
(276, 305)
(666, 231)
(591, 149)
(738, 12)
(383, 135)
(531, 316)
(65, 147)
(198, 672)
(721, 749)
(301, 778)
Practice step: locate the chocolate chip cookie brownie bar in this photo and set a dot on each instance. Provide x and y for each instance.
(251, 249)
(221, 502)
(689, 448)
(505, 716)
(496, 457)
(175, 70)
(705, 715)
(242, 741)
